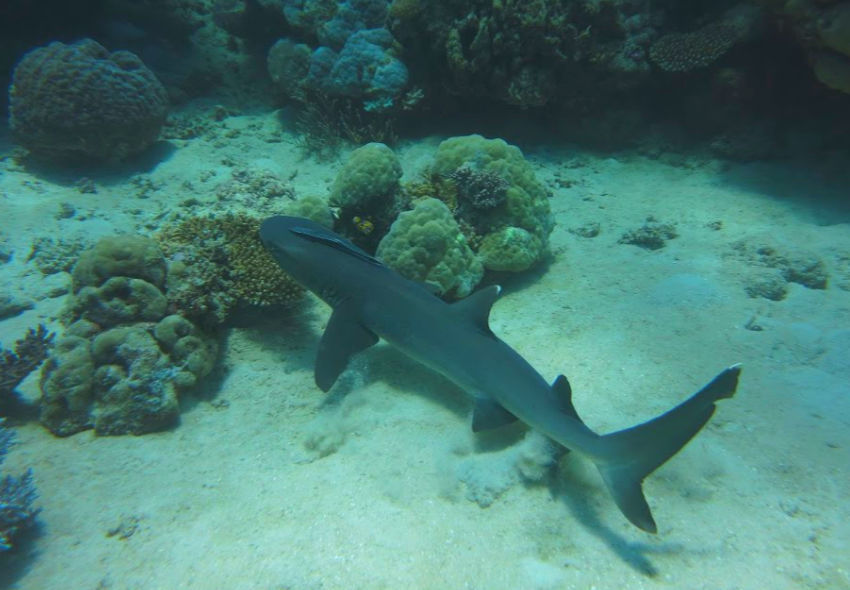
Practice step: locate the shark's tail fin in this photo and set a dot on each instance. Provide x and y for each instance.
(628, 456)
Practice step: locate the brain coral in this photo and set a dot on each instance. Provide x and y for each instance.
(81, 102)
(426, 244)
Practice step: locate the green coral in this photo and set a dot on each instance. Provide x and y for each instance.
(314, 208)
(426, 244)
(524, 205)
(122, 362)
(130, 256)
(367, 188)
(510, 249)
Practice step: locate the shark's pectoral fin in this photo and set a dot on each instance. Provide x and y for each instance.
(477, 306)
(488, 415)
(343, 338)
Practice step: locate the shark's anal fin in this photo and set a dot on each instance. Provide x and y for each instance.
(476, 307)
(489, 415)
(343, 338)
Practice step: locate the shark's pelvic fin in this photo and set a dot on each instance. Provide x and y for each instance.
(564, 395)
(629, 455)
(489, 414)
(343, 338)
(476, 307)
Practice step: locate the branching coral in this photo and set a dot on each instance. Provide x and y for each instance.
(216, 264)
(17, 497)
(15, 365)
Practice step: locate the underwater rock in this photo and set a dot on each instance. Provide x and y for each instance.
(652, 235)
(81, 102)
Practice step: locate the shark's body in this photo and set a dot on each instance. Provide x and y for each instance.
(371, 301)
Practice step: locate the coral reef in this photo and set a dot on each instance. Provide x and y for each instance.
(312, 207)
(29, 352)
(425, 244)
(218, 264)
(527, 54)
(367, 188)
(681, 52)
(496, 198)
(823, 31)
(17, 497)
(123, 360)
(80, 102)
(364, 69)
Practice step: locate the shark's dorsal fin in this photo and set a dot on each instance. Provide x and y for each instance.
(564, 395)
(489, 414)
(477, 306)
(334, 241)
(343, 338)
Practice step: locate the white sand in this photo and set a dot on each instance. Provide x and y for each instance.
(278, 491)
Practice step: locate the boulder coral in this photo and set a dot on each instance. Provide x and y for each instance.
(426, 244)
(124, 359)
(514, 226)
(81, 102)
(366, 193)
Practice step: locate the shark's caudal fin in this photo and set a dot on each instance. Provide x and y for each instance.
(628, 456)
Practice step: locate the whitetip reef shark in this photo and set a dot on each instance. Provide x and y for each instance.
(371, 301)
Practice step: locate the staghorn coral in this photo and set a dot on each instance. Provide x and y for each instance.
(79, 101)
(15, 365)
(17, 497)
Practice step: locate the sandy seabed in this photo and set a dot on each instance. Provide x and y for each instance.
(268, 485)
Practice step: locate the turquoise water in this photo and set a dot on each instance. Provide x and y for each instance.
(254, 478)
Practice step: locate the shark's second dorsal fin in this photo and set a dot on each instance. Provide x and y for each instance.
(477, 306)
(343, 338)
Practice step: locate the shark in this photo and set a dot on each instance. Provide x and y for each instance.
(370, 302)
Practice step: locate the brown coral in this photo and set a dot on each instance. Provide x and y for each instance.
(682, 52)
(80, 101)
(216, 264)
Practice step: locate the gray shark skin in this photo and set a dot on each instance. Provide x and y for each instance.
(371, 301)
